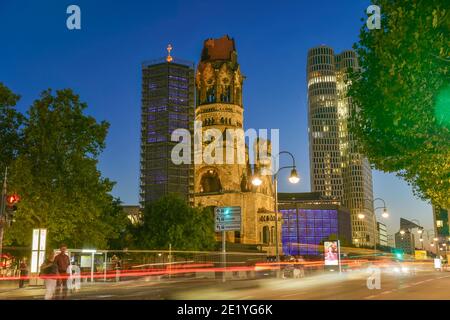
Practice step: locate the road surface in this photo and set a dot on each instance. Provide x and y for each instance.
(347, 286)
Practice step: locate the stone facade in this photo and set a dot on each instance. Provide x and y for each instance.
(219, 106)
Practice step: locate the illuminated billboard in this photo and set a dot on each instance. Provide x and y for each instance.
(38, 249)
(420, 254)
(331, 253)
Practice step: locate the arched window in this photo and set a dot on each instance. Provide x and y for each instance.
(226, 95)
(265, 235)
(211, 94)
(210, 182)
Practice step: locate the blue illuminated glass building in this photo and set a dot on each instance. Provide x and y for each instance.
(308, 220)
(167, 105)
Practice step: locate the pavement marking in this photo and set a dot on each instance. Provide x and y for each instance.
(371, 297)
(386, 292)
(106, 296)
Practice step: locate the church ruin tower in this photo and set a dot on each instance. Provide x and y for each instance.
(219, 82)
(219, 106)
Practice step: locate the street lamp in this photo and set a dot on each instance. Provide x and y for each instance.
(428, 232)
(421, 241)
(257, 181)
(293, 178)
(385, 215)
(436, 240)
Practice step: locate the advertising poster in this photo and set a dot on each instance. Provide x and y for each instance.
(420, 254)
(437, 263)
(331, 253)
(86, 261)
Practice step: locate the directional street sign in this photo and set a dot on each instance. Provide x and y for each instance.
(228, 218)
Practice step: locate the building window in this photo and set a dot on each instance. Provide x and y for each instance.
(265, 235)
(210, 182)
(211, 95)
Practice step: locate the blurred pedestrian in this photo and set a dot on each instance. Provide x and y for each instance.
(116, 265)
(23, 267)
(49, 272)
(62, 261)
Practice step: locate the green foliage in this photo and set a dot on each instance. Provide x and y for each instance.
(402, 95)
(11, 122)
(56, 175)
(170, 220)
(125, 230)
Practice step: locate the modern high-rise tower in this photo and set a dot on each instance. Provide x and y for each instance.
(167, 105)
(338, 171)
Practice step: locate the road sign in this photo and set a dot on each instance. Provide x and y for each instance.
(228, 218)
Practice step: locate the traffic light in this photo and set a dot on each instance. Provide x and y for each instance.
(11, 207)
(398, 253)
(12, 199)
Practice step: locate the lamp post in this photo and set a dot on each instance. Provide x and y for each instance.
(224, 252)
(419, 231)
(445, 247)
(385, 215)
(427, 232)
(293, 178)
(436, 242)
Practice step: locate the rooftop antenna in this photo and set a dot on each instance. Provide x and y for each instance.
(169, 57)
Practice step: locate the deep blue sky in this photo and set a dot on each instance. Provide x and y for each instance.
(101, 62)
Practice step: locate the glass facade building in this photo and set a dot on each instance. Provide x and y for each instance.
(307, 223)
(338, 170)
(167, 105)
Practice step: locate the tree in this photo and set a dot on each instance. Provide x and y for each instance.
(402, 119)
(170, 220)
(11, 122)
(56, 175)
(125, 231)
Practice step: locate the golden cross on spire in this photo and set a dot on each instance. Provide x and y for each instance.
(169, 58)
